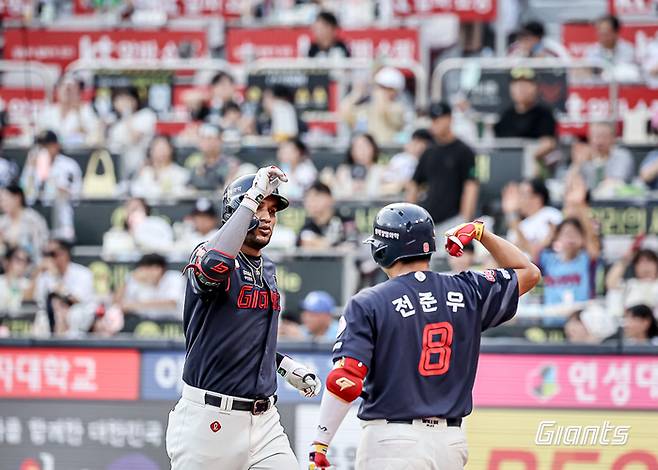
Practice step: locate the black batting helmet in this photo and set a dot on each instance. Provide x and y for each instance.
(401, 230)
(234, 193)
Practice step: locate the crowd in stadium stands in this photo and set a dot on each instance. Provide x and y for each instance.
(433, 163)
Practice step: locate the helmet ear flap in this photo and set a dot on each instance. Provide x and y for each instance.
(379, 254)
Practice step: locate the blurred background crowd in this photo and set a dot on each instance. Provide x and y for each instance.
(113, 160)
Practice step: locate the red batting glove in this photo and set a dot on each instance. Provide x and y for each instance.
(318, 457)
(461, 235)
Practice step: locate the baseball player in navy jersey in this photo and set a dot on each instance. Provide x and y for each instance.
(410, 345)
(226, 418)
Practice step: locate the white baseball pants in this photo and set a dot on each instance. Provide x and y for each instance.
(205, 437)
(423, 445)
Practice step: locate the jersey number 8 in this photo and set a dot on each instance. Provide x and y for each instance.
(437, 342)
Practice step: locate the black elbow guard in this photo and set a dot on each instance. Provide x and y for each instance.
(211, 267)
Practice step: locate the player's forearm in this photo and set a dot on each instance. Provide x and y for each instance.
(332, 413)
(230, 237)
(507, 255)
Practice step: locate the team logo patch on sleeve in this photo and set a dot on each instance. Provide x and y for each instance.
(490, 275)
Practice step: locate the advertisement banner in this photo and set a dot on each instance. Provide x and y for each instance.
(245, 44)
(226, 8)
(63, 47)
(564, 381)
(69, 373)
(561, 440)
(593, 103)
(162, 376)
(633, 8)
(22, 104)
(55, 435)
(577, 37)
(467, 10)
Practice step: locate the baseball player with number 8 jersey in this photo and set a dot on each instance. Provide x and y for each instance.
(409, 346)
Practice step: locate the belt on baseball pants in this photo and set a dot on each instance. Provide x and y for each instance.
(450, 422)
(229, 403)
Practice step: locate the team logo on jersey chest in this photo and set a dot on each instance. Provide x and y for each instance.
(252, 297)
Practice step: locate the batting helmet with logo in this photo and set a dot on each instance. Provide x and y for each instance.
(234, 193)
(401, 230)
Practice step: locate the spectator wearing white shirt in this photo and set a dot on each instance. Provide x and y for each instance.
(131, 133)
(73, 120)
(151, 291)
(401, 167)
(54, 179)
(293, 158)
(530, 218)
(160, 176)
(613, 50)
(279, 118)
(62, 285)
(21, 226)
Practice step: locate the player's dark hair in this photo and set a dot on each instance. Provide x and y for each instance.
(220, 76)
(319, 187)
(328, 18)
(152, 259)
(16, 190)
(422, 134)
(539, 188)
(644, 312)
(613, 20)
(349, 159)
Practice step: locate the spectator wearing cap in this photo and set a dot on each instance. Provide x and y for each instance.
(138, 231)
(318, 319)
(530, 218)
(62, 284)
(210, 168)
(530, 42)
(609, 47)
(382, 113)
(603, 165)
(21, 226)
(70, 117)
(401, 167)
(527, 117)
(199, 226)
(325, 37)
(323, 227)
(160, 176)
(53, 178)
(444, 182)
(293, 158)
(151, 291)
(132, 131)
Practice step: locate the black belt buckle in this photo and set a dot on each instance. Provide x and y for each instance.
(260, 406)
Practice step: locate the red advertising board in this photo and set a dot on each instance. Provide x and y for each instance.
(63, 47)
(243, 44)
(587, 103)
(90, 374)
(192, 8)
(633, 8)
(577, 37)
(14, 9)
(527, 381)
(467, 10)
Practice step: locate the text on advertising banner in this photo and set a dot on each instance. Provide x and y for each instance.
(69, 373)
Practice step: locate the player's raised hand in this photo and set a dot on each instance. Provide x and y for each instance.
(267, 180)
(318, 457)
(300, 377)
(461, 235)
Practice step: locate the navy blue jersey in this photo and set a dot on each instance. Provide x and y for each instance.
(419, 336)
(231, 331)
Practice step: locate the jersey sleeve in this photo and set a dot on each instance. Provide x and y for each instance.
(209, 270)
(497, 292)
(355, 333)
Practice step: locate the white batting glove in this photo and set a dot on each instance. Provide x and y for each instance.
(265, 183)
(300, 377)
